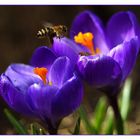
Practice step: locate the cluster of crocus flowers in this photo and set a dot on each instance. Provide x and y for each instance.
(50, 88)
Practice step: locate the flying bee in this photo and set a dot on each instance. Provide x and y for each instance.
(51, 31)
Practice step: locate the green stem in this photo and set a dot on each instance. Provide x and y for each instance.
(119, 121)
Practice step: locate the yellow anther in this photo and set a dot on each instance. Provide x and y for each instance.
(86, 39)
(98, 51)
(42, 72)
(50, 83)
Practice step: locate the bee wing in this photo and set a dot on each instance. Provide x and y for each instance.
(47, 24)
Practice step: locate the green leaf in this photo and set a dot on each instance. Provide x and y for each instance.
(77, 127)
(109, 122)
(89, 127)
(20, 129)
(41, 132)
(33, 129)
(100, 113)
(125, 102)
(36, 130)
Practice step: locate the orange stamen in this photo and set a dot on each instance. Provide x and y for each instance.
(86, 40)
(42, 72)
(98, 51)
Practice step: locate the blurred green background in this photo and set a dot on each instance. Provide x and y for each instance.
(18, 28)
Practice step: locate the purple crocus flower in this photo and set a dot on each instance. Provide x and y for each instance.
(111, 55)
(47, 94)
(112, 51)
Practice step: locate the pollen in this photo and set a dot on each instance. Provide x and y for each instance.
(42, 72)
(86, 39)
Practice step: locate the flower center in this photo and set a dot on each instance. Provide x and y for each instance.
(86, 39)
(42, 72)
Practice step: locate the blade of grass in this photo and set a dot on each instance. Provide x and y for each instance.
(41, 132)
(109, 122)
(77, 127)
(90, 128)
(125, 102)
(100, 112)
(33, 129)
(20, 129)
(36, 130)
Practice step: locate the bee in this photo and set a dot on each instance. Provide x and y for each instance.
(50, 31)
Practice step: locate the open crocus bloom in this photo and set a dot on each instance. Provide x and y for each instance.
(118, 48)
(104, 56)
(47, 94)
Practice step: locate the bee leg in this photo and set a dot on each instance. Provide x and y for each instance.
(51, 40)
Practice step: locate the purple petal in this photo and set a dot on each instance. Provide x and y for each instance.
(60, 71)
(66, 47)
(68, 98)
(42, 57)
(22, 76)
(88, 22)
(40, 99)
(99, 71)
(125, 54)
(14, 98)
(122, 26)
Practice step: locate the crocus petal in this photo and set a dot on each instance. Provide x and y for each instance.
(42, 57)
(22, 76)
(125, 54)
(66, 47)
(60, 71)
(14, 98)
(40, 99)
(88, 22)
(122, 26)
(99, 71)
(68, 98)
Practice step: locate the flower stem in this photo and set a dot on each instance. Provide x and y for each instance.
(119, 121)
(52, 128)
(52, 131)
